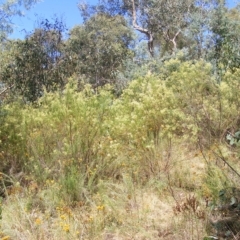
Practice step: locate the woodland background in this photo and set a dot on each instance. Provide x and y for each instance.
(123, 127)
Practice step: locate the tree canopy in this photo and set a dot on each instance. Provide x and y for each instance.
(100, 46)
(108, 46)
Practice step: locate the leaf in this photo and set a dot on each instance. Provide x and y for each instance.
(233, 202)
(222, 193)
(232, 141)
(237, 135)
(229, 137)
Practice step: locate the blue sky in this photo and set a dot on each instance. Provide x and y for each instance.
(65, 9)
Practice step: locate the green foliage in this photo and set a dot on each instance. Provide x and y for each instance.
(36, 62)
(81, 137)
(205, 29)
(12, 134)
(215, 180)
(225, 26)
(67, 136)
(229, 89)
(99, 47)
(94, 52)
(151, 107)
(152, 18)
(149, 115)
(233, 139)
(195, 91)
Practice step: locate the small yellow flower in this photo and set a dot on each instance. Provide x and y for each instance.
(38, 221)
(6, 238)
(66, 228)
(63, 217)
(100, 207)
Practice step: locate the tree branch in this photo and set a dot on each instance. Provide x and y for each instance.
(173, 40)
(145, 31)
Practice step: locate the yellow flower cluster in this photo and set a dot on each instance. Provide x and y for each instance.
(64, 214)
(66, 227)
(100, 207)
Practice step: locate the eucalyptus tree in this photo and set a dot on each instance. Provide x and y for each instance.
(225, 26)
(99, 47)
(168, 24)
(37, 62)
(164, 19)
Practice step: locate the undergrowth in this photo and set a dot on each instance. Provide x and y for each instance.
(148, 164)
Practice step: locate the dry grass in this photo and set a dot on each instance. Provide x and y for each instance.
(144, 215)
(161, 209)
